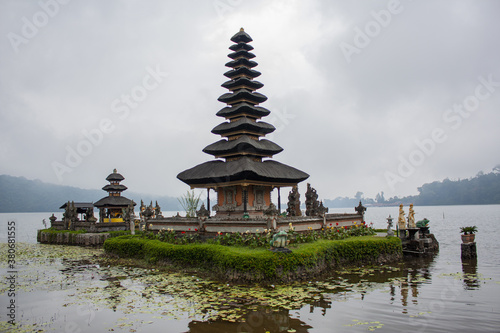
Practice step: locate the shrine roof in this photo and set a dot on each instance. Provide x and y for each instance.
(111, 187)
(242, 82)
(243, 109)
(242, 169)
(244, 124)
(115, 176)
(241, 53)
(242, 95)
(114, 201)
(241, 62)
(242, 71)
(244, 145)
(241, 36)
(241, 46)
(79, 205)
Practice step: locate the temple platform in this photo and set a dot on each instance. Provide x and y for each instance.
(253, 224)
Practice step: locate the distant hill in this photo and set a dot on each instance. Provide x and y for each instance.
(483, 189)
(18, 194)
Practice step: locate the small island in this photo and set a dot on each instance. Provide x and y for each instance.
(247, 238)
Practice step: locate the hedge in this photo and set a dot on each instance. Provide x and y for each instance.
(254, 264)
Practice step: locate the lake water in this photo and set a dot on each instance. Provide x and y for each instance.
(65, 289)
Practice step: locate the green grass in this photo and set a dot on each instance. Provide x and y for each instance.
(256, 263)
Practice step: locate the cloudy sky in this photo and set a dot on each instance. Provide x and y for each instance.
(366, 95)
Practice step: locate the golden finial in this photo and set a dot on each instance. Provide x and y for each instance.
(241, 29)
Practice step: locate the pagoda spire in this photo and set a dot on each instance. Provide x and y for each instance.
(244, 173)
(242, 130)
(114, 188)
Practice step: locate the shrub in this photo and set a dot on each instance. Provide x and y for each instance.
(125, 246)
(117, 233)
(256, 263)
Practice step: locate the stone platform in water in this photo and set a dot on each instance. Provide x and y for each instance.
(69, 238)
(230, 224)
(419, 244)
(469, 250)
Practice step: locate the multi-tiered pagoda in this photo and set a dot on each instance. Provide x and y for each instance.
(243, 175)
(110, 207)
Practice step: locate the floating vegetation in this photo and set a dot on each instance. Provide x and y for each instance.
(139, 296)
(373, 325)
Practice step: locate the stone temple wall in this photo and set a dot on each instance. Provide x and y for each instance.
(231, 224)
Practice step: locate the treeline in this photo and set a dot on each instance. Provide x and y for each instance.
(483, 189)
(344, 202)
(18, 194)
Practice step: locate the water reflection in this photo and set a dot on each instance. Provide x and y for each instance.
(402, 279)
(262, 320)
(139, 298)
(416, 272)
(469, 270)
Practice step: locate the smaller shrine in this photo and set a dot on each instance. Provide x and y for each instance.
(115, 211)
(112, 208)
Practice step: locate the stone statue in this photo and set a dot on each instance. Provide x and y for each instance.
(128, 215)
(70, 215)
(74, 211)
(158, 211)
(401, 218)
(422, 223)
(271, 210)
(52, 219)
(142, 209)
(203, 212)
(148, 212)
(67, 211)
(294, 203)
(312, 203)
(411, 218)
(125, 214)
(390, 233)
(360, 209)
(279, 239)
(89, 215)
(322, 210)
